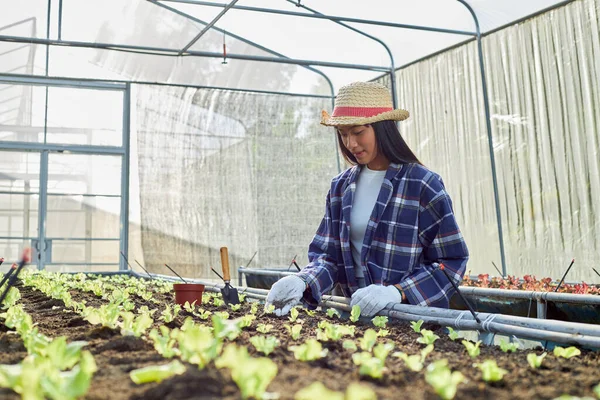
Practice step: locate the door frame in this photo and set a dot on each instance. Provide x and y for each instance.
(44, 149)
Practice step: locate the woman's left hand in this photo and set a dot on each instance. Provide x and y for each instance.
(374, 298)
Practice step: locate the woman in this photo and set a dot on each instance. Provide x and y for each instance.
(388, 218)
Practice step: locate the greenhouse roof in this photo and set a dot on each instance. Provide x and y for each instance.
(284, 45)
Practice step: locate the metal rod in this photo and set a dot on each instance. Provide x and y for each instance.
(488, 124)
(125, 166)
(253, 255)
(219, 275)
(500, 272)
(125, 258)
(173, 271)
(8, 274)
(564, 275)
(208, 26)
(330, 17)
(145, 270)
(25, 258)
(443, 269)
(160, 51)
(60, 15)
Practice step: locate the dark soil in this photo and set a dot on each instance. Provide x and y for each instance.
(117, 355)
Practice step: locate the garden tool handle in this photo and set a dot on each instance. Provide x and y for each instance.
(225, 264)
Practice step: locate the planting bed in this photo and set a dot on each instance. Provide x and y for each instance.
(116, 355)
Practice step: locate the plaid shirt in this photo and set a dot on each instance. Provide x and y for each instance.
(412, 225)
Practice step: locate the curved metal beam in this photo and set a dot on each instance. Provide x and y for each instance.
(392, 67)
(330, 17)
(488, 123)
(244, 40)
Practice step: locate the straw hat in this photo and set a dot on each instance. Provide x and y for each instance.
(362, 103)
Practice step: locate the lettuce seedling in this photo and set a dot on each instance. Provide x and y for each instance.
(442, 379)
(157, 373)
(317, 390)
(107, 315)
(218, 302)
(506, 346)
(190, 307)
(472, 348)
(246, 320)
(242, 298)
(203, 314)
(62, 355)
(264, 344)
(381, 350)
(597, 390)
(132, 326)
(253, 376)
(70, 385)
(336, 332)
(368, 340)
(534, 360)
(293, 314)
(321, 335)
(380, 321)
(310, 313)
(452, 334)
(332, 312)
(355, 313)
(222, 314)
(416, 325)
(349, 345)
(11, 298)
(294, 331)
(309, 351)
(356, 391)
(264, 328)
(490, 372)
(427, 337)
(383, 332)
(197, 345)
(164, 341)
(269, 309)
(224, 328)
(566, 353)
(169, 315)
(235, 307)
(254, 308)
(369, 365)
(414, 362)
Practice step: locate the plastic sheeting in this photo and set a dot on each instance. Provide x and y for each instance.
(543, 80)
(246, 171)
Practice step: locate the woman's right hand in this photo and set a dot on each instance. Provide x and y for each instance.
(285, 294)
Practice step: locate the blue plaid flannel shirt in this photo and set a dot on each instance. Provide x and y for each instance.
(412, 225)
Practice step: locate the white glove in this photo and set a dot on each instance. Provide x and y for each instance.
(374, 298)
(285, 294)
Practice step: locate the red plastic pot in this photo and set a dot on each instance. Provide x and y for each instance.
(188, 292)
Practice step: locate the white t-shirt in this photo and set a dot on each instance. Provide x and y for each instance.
(367, 190)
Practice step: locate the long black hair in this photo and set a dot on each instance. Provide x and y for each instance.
(389, 142)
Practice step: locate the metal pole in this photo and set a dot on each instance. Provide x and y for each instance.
(120, 84)
(208, 26)
(330, 17)
(488, 124)
(125, 176)
(166, 52)
(60, 8)
(385, 46)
